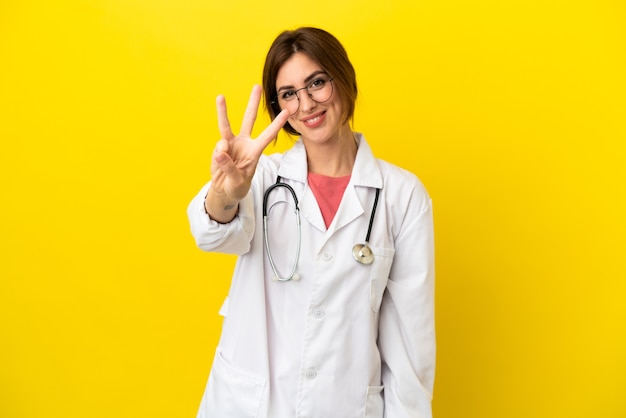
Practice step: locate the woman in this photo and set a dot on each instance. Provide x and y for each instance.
(316, 326)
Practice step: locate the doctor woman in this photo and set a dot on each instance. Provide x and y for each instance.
(330, 312)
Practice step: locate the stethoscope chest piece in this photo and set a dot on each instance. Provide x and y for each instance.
(363, 254)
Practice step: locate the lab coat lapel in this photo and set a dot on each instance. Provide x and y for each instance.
(310, 210)
(349, 209)
(366, 172)
(365, 178)
(293, 166)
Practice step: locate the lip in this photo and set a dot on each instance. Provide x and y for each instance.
(314, 120)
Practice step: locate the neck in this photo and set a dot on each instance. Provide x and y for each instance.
(333, 158)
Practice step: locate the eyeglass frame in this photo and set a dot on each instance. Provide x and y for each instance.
(295, 92)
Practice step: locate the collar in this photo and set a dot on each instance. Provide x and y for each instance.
(364, 173)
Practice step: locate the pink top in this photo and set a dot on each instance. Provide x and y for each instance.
(328, 192)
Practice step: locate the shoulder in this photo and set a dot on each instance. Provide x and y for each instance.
(403, 190)
(395, 177)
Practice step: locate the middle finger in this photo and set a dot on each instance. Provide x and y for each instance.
(251, 111)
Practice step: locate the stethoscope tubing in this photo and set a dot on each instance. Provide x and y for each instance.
(361, 252)
(369, 227)
(292, 275)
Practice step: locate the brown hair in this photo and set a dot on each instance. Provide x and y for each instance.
(326, 51)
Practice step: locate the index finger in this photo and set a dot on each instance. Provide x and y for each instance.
(271, 132)
(222, 118)
(249, 116)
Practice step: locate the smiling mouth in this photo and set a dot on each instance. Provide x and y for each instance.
(314, 120)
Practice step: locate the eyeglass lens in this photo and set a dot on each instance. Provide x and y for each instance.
(319, 90)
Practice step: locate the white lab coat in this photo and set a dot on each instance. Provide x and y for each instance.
(347, 339)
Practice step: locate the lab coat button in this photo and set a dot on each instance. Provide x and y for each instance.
(327, 256)
(310, 373)
(319, 313)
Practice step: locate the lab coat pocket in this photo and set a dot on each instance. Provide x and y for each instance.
(381, 267)
(231, 392)
(374, 403)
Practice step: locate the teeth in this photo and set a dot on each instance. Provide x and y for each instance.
(315, 119)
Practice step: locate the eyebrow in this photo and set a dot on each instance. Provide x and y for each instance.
(306, 80)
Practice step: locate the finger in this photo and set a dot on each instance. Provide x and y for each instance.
(251, 110)
(271, 132)
(230, 178)
(221, 146)
(223, 123)
(220, 151)
(222, 161)
(225, 164)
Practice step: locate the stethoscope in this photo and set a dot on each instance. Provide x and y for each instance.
(361, 252)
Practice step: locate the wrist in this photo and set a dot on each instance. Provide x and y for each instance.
(219, 198)
(219, 206)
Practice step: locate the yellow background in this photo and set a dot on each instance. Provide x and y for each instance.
(511, 112)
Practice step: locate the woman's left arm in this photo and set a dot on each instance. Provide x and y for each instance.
(407, 321)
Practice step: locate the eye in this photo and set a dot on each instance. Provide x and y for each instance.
(317, 84)
(288, 95)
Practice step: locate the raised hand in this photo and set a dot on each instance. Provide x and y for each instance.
(235, 157)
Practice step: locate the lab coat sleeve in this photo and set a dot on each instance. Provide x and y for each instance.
(407, 328)
(231, 238)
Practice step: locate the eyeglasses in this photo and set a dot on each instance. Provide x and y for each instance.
(319, 90)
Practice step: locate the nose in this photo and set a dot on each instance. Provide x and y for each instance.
(306, 101)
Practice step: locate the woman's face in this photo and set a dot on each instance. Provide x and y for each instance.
(316, 122)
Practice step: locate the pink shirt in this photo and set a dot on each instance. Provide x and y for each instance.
(328, 192)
